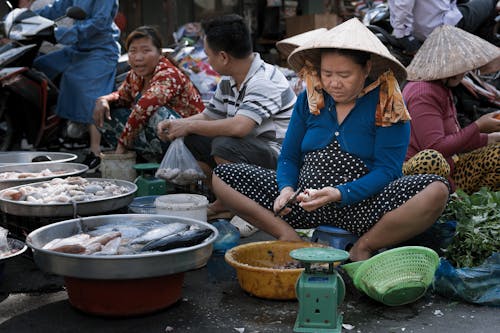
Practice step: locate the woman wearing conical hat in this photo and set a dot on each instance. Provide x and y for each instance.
(343, 152)
(469, 156)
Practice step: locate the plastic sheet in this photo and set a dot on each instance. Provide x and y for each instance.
(479, 285)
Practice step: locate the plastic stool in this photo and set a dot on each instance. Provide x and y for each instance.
(333, 236)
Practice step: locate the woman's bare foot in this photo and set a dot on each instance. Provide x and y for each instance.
(216, 207)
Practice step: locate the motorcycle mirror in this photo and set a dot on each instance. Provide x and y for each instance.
(76, 13)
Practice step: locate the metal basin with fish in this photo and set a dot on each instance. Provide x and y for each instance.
(130, 266)
(21, 157)
(59, 169)
(82, 208)
(120, 285)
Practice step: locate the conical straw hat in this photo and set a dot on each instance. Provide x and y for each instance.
(287, 45)
(449, 51)
(353, 35)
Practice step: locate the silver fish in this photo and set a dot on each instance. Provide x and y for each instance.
(181, 239)
(157, 233)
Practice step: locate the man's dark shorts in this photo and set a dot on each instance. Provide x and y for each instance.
(236, 150)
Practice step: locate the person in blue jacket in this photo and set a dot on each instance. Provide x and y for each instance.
(343, 152)
(87, 63)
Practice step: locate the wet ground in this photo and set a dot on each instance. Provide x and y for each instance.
(212, 301)
(32, 301)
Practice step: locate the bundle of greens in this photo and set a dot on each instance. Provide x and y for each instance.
(478, 227)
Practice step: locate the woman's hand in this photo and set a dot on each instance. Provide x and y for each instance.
(494, 137)
(312, 199)
(488, 123)
(281, 200)
(101, 110)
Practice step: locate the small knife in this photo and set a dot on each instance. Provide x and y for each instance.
(289, 201)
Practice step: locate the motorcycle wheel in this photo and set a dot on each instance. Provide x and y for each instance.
(6, 131)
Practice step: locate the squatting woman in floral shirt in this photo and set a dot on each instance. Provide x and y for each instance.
(154, 90)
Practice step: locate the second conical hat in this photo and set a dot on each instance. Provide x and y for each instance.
(353, 35)
(450, 51)
(287, 45)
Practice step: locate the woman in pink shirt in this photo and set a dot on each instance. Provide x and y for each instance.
(469, 157)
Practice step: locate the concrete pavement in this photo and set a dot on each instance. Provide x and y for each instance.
(212, 301)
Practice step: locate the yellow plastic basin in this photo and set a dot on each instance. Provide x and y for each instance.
(261, 268)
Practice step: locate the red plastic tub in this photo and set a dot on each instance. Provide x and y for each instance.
(124, 297)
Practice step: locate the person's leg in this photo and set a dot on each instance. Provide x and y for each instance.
(406, 221)
(244, 150)
(252, 212)
(428, 161)
(95, 139)
(240, 150)
(478, 168)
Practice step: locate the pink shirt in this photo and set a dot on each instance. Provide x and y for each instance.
(434, 123)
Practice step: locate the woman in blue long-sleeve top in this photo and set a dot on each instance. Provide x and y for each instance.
(87, 62)
(343, 150)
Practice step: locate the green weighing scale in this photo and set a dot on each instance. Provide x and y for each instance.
(147, 183)
(320, 290)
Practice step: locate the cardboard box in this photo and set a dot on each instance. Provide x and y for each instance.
(299, 24)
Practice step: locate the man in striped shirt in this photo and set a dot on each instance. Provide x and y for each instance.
(248, 116)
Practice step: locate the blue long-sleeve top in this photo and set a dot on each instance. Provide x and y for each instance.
(97, 31)
(382, 149)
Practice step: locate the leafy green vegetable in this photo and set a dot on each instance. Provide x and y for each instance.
(478, 227)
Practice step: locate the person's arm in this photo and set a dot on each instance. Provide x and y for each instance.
(100, 19)
(120, 98)
(258, 104)
(290, 159)
(389, 151)
(428, 126)
(165, 85)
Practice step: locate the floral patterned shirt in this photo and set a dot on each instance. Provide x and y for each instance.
(169, 87)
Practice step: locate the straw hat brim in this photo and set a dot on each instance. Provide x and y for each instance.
(287, 45)
(353, 35)
(450, 51)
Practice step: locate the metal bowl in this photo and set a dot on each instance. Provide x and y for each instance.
(132, 266)
(67, 169)
(21, 157)
(93, 207)
(14, 244)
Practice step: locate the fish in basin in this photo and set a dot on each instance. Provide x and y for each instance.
(185, 238)
(160, 232)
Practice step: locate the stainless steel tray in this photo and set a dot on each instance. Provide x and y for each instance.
(20, 157)
(132, 266)
(93, 207)
(69, 169)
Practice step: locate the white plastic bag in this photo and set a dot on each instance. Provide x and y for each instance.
(178, 165)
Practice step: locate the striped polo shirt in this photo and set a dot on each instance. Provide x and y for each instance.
(264, 96)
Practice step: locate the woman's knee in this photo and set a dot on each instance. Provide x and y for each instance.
(438, 193)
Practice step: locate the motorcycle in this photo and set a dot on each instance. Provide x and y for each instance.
(27, 96)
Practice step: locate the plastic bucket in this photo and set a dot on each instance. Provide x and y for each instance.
(118, 166)
(185, 205)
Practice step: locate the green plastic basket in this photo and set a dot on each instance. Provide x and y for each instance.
(397, 276)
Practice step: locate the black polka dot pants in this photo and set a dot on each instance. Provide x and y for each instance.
(326, 167)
